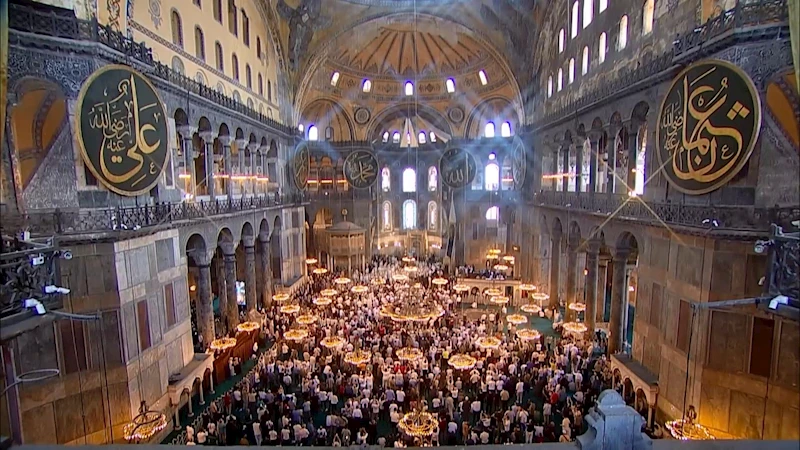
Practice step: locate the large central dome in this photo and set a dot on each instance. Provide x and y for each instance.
(421, 48)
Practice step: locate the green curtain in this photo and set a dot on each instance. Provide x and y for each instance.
(794, 31)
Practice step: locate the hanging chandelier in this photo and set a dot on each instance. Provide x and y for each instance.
(342, 281)
(528, 334)
(310, 261)
(488, 342)
(222, 344)
(322, 301)
(145, 425)
(509, 259)
(418, 424)
(282, 297)
(411, 269)
(516, 319)
(493, 292)
(462, 362)
(530, 308)
(492, 256)
(439, 281)
(575, 327)
(306, 319)
(501, 267)
(499, 300)
(400, 277)
(579, 307)
(527, 287)
(409, 259)
(320, 271)
(332, 342)
(359, 289)
(687, 430)
(378, 281)
(540, 296)
(246, 327)
(461, 288)
(295, 335)
(357, 357)
(290, 309)
(328, 292)
(409, 354)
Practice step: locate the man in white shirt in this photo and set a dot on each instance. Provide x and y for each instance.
(520, 388)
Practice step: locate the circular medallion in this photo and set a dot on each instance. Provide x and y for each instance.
(362, 116)
(455, 114)
(458, 168)
(122, 130)
(519, 163)
(707, 127)
(300, 165)
(360, 169)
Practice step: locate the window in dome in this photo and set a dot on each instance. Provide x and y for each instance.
(335, 79)
(451, 85)
(482, 76)
(488, 130)
(574, 23)
(396, 137)
(433, 213)
(602, 48)
(433, 136)
(409, 215)
(505, 129)
(588, 10)
(409, 180)
(366, 86)
(603, 5)
(313, 133)
(560, 80)
(550, 86)
(571, 70)
(623, 32)
(300, 127)
(386, 180)
(585, 61)
(421, 138)
(409, 88)
(387, 216)
(385, 136)
(433, 178)
(562, 37)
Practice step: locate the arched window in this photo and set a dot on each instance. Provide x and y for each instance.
(334, 78)
(482, 77)
(562, 37)
(451, 85)
(385, 136)
(408, 138)
(550, 86)
(250, 103)
(386, 180)
(602, 6)
(421, 138)
(433, 178)
(647, 16)
(396, 137)
(260, 85)
(493, 214)
(300, 127)
(177, 29)
(258, 47)
(433, 216)
(199, 44)
(488, 130)
(588, 11)
(571, 70)
(200, 78)
(492, 177)
(221, 88)
(219, 57)
(269, 90)
(366, 86)
(245, 28)
(409, 88)
(574, 23)
(585, 61)
(313, 133)
(235, 64)
(387, 216)
(248, 76)
(177, 65)
(505, 129)
(409, 215)
(623, 32)
(237, 97)
(641, 159)
(560, 80)
(433, 136)
(218, 10)
(329, 133)
(602, 48)
(409, 180)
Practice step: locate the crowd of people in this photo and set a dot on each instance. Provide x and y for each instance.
(302, 393)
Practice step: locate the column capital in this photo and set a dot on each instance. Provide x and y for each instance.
(201, 258)
(226, 140)
(621, 254)
(228, 248)
(253, 147)
(241, 143)
(208, 136)
(264, 148)
(186, 131)
(593, 246)
(264, 237)
(249, 243)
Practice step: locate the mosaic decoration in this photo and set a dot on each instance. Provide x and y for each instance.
(122, 130)
(708, 125)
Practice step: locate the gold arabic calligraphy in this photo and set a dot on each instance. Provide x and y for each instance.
(361, 169)
(701, 147)
(125, 126)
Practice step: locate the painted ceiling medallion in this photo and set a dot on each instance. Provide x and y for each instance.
(362, 116)
(455, 114)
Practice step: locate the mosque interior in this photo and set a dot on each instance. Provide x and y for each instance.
(173, 168)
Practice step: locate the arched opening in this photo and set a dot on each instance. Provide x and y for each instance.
(386, 215)
(433, 216)
(386, 180)
(177, 28)
(492, 176)
(313, 133)
(505, 129)
(433, 179)
(493, 214)
(409, 180)
(488, 130)
(409, 215)
(276, 252)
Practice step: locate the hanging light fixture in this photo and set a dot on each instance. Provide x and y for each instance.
(322, 301)
(409, 354)
(290, 309)
(462, 362)
(145, 425)
(359, 289)
(528, 334)
(527, 287)
(306, 319)
(320, 271)
(295, 335)
(439, 281)
(282, 297)
(488, 342)
(461, 288)
(332, 342)
(328, 292)
(493, 292)
(530, 308)
(246, 327)
(310, 261)
(342, 281)
(516, 319)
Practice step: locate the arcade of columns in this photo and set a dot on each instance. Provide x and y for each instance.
(257, 283)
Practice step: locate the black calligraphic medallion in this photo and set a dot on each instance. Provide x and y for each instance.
(458, 168)
(707, 126)
(122, 130)
(519, 162)
(301, 164)
(360, 169)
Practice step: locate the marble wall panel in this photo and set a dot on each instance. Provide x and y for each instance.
(39, 426)
(729, 342)
(714, 411)
(746, 415)
(788, 372)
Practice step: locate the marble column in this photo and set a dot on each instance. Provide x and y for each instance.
(618, 300)
(555, 270)
(222, 292)
(232, 308)
(250, 288)
(266, 274)
(255, 161)
(205, 300)
(187, 133)
(226, 163)
(592, 267)
(208, 148)
(572, 282)
(602, 277)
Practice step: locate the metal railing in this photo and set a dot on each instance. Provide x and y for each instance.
(743, 15)
(65, 222)
(31, 20)
(735, 218)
